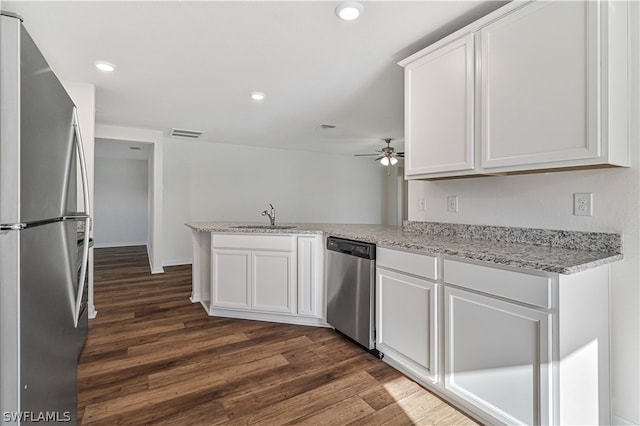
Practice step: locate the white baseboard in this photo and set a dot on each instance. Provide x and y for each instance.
(121, 244)
(619, 421)
(266, 316)
(178, 262)
(154, 269)
(158, 270)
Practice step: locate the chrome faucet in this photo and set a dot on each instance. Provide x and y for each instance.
(272, 215)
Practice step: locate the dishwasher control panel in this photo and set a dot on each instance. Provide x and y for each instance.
(351, 247)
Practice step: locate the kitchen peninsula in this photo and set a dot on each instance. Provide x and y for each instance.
(509, 324)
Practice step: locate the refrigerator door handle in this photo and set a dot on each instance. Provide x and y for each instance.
(83, 164)
(87, 218)
(25, 225)
(75, 217)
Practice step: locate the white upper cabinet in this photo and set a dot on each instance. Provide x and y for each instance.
(551, 92)
(539, 85)
(439, 109)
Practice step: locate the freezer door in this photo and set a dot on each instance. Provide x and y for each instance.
(47, 151)
(49, 339)
(9, 120)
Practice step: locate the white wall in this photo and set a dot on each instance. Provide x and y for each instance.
(546, 201)
(206, 181)
(121, 202)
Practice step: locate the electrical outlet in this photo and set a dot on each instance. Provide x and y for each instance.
(583, 204)
(452, 203)
(420, 204)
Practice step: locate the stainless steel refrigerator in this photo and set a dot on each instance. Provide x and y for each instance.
(43, 249)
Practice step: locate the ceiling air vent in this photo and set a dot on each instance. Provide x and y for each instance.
(184, 133)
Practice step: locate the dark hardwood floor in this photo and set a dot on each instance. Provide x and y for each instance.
(153, 357)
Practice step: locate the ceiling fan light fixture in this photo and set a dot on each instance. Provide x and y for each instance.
(387, 156)
(349, 10)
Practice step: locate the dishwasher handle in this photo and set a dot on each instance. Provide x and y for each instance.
(351, 247)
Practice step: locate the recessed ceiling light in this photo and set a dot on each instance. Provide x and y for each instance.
(257, 96)
(349, 10)
(105, 66)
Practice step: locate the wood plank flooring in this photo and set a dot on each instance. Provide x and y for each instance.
(153, 357)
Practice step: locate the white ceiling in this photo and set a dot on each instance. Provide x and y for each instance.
(192, 65)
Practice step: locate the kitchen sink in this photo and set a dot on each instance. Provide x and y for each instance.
(263, 226)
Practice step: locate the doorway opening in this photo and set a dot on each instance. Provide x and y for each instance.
(122, 205)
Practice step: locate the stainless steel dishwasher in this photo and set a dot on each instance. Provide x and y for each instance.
(351, 289)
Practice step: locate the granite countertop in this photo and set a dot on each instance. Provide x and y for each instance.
(563, 252)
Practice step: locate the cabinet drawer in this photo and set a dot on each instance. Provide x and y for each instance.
(253, 242)
(531, 289)
(410, 263)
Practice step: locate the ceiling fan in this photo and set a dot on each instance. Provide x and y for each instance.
(387, 155)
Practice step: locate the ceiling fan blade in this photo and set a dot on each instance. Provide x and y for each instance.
(380, 158)
(363, 155)
(400, 153)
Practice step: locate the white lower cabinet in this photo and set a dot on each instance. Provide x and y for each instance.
(267, 277)
(231, 278)
(527, 348)
(273, 279)
(498, 356)
(253, 272)
(507, 345)
(406, 313)
(406, 322)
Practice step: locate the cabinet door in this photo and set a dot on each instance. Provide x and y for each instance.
(231, 278)
(497, 357)
(273, 281)
(406, 316)
(539, 85)
(439, 123)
